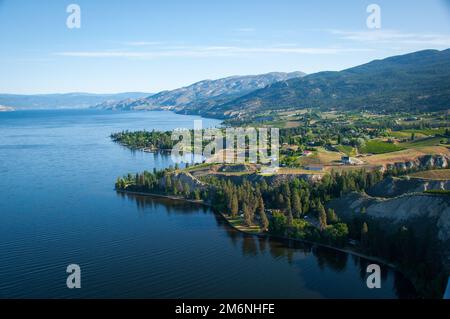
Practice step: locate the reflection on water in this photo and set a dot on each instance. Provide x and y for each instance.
(294, 253)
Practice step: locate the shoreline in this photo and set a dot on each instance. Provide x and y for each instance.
(266, 235)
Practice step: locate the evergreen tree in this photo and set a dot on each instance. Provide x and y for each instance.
(247, 215)
(285, 190)
(168, 183)
(289, 211)
(331, 216)
(262, 215)
(280, 200)
(228, 193)
(296, 205)
(186, 190)
(322, 216)
(234, 205)
(178, 188)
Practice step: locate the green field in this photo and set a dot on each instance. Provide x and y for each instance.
(428, 132)
(346, 149)
(380, 147)
(435, 174)
(430, 141)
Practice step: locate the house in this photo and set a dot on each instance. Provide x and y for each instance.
(347, 160)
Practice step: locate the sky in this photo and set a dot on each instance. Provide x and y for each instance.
(149, 46)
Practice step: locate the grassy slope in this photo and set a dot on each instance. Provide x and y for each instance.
(437, 174)
(380, 147)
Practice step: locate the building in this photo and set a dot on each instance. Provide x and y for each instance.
(347, 160)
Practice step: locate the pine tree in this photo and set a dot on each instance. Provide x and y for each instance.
(247, 215)
(296, 205)
(280, 200)
(234, 205)
(322, 216)
(178, 188)
(262, 215)
(168, 183)
(229, 197)
(331, 216)
(286, 190)
(186, 190)
(289, 211)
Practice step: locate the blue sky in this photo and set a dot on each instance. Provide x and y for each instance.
(155, 45)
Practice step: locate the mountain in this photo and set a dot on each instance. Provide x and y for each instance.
(67, 100)
(410, 82)
(204, 95)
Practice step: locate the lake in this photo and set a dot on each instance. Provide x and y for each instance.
(58, 207)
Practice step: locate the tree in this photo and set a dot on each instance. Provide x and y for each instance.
(280, 200)
(331, 216)
(322, 216)
(289, 211)
(278, 223)
(228, 193)
(285, 190)
(247, 215)
(262, 214)
(296, 205)
(234, 205)
(168, 183)
(186, 190)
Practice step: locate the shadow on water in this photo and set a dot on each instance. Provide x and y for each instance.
(293, 252)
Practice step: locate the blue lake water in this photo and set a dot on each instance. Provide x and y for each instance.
(58, 207)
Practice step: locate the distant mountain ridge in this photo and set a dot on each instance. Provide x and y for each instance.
(204, 95)
(64, 100)
(418, 81)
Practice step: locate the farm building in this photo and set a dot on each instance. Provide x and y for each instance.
(347, 160)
